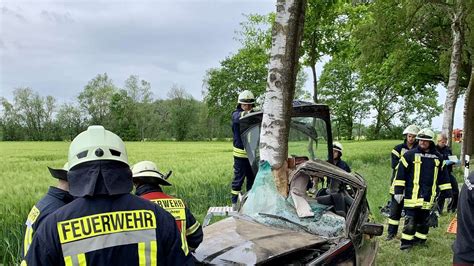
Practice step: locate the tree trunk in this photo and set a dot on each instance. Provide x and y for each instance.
(468, 132)
(315, 83)
(283, 68)
(453, 83)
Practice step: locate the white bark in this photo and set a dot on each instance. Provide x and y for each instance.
(468, 129)
(287, 33)
(453, 83)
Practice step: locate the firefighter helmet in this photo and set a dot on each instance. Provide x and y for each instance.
(411, 129)
(148, 172)
(337, 146)
(246, 97)
(96, 143)
(426, 134)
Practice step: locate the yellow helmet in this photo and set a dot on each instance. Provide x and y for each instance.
(96, 143)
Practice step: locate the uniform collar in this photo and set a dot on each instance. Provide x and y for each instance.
(60, 194)
(147, 188)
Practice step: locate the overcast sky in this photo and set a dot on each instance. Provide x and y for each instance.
(56, 46)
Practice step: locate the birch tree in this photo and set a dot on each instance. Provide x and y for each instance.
(283, 68)
(454, 69)
(468, 134)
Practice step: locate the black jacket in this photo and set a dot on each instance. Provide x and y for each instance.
(54, 199)
(464, 243)
(108, 230)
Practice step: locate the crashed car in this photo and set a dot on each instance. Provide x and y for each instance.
(330, 226)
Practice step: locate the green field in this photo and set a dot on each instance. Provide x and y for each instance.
(202, 172)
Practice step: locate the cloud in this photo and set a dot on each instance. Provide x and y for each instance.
(56, 17)
(9, 12)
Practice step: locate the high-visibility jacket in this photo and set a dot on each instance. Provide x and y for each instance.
(107, 230)
(191, 230)
(238, 150)
(54, 199)
(397, 153)
(419, 175)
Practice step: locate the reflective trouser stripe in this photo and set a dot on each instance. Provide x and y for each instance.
(147, 253)
(235, 192)
(394, 222)
(407, 237)
(75, 260)
(239, 153)
(421, 236)
(23, 263)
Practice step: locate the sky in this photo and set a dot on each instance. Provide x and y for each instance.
(56, 46)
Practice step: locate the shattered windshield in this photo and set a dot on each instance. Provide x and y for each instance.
(308, 137)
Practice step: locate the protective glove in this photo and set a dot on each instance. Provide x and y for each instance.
(449, 162)
(432, 220)
(398, 198)
(448, 201)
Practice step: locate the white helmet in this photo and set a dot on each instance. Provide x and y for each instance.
(94, 144)
(146, 169)
(337, 146)
(426, 134)
(246, 97)
(411, 129)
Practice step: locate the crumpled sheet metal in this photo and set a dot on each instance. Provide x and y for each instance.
(264, 203)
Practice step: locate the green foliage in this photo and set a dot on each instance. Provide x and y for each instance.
(202, 172)
(96, 97)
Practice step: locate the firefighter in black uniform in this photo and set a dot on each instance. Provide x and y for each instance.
(55, 198)
(242, 166)
(105, 224)
(397, 152)
(464, 244)
(421, 172)
(337, 154)
(147, 179)
(442, 148)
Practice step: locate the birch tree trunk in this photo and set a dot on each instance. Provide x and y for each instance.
(286, 38)
(453, 83)
(468, 132)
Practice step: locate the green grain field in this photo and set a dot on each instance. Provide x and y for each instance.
(202, 172)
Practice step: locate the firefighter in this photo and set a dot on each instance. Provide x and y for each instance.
(444, 150)
(397, 152)
(421, 171)
(105, 224)
(464, 244)
(242, 168)
(337, 154)
(147, 179)
(55, 198)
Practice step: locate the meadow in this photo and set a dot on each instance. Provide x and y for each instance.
(202, 172)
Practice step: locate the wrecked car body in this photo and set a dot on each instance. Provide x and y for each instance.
(330, 227)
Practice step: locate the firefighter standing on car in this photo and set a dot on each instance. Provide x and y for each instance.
(398, 151)
(55, 198)
(464, 244)
(105, 224)
(444, 150)
(421, 172)
(242, 168)
(147, 180)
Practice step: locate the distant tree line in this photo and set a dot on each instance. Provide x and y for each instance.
(131, 112)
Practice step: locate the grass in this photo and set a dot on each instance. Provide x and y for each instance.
(202, 172)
